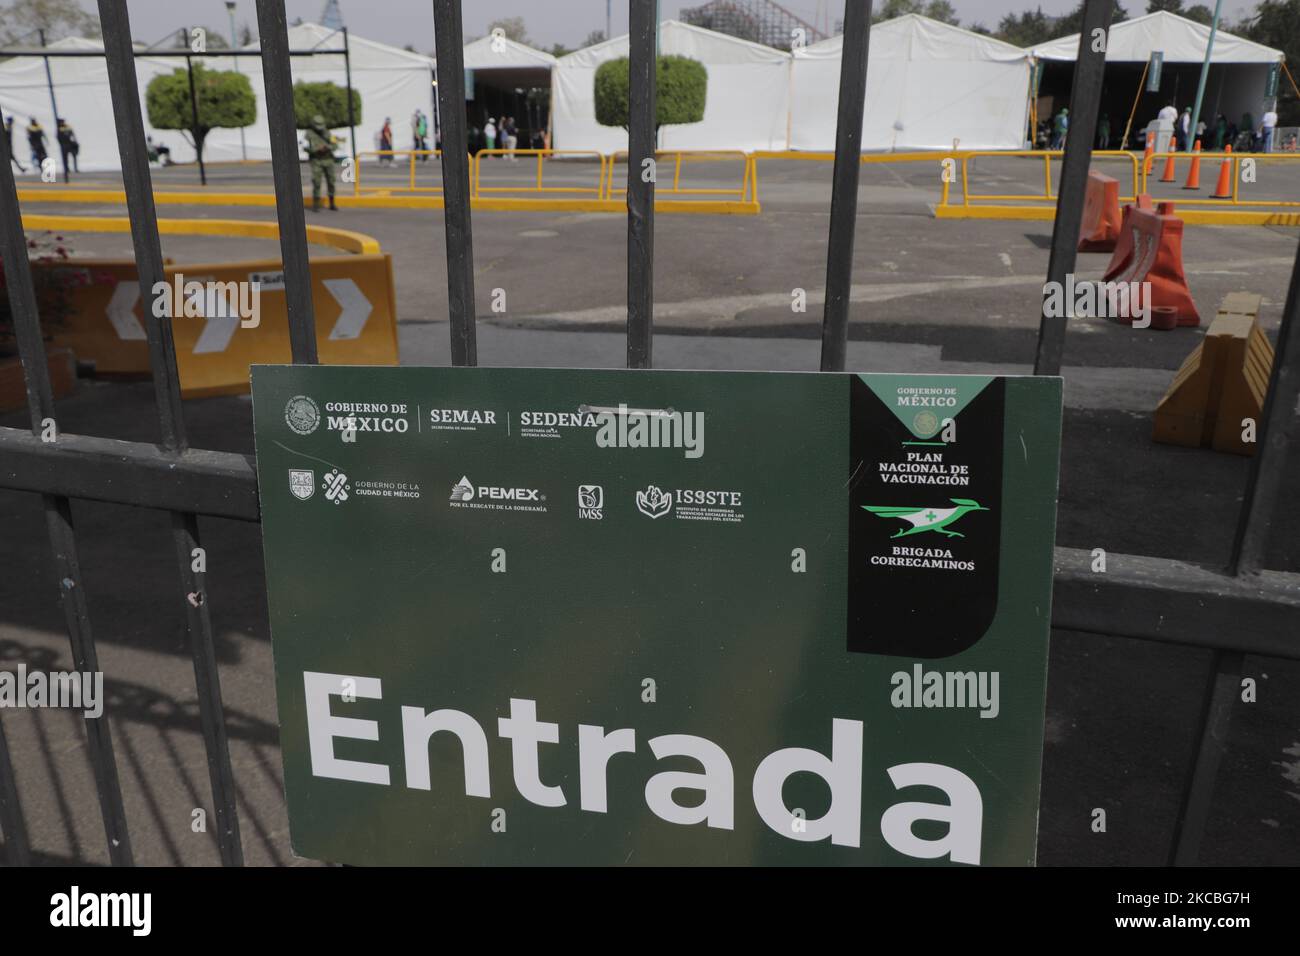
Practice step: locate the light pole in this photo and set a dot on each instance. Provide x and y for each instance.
(230, 9)
(1205, 72)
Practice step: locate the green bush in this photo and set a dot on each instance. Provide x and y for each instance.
(680, 88)
(329, 100)
(225, 100)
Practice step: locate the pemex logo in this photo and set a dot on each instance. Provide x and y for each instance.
(463, 490)
(654, 503)
(927, 519)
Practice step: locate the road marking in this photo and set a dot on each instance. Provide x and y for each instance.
(356, 308)
(121, 311)
(219, 329)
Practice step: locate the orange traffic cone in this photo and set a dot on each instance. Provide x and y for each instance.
(1168, 176)
(1146, 156)
(1194, 173)
(1224, 188)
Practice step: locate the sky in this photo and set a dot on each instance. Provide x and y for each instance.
(400, 22)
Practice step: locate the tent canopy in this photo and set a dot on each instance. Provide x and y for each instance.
(84, 100)
(914, 37)
(500, 52)
(746, 106)
(1181, 40)
(928, 83)
(500, 62)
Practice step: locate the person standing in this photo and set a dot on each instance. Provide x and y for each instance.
(1060, 127)
(36, 140)
(422, 133)
(9, 140)
(511, 136)
(490, 134)
(1267, 130)
(1182, 129)
(1220, 133)
(386, 141)
(68, 147)
(1103, 132)
(320, 156)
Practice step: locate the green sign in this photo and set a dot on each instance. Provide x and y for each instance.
(532, 616)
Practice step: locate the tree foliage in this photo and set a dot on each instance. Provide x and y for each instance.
(225, 101)
(512, 27)
(1073, 22)
(681, 86)
(940, 10)
(58, 18)
(329, 100)
(1276, 23)
(1028, 29)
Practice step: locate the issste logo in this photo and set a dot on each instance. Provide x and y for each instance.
(654, 503)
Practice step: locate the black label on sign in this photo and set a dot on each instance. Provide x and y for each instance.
(925, 519)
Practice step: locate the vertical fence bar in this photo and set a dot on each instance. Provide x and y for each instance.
(641, 175)
(347, 78)
(274, 37)
(448, 37)
(137, 181)
(17, 851)
(1085, 102)
(1274, 432)
(58, 515)
(844, 184)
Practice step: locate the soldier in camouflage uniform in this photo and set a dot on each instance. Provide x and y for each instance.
(320, 154)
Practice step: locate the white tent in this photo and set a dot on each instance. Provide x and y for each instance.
(1238, 67)
(928, 83)
(746, 106)
(1181, 40)
(393, 83)
(82, 91)
(495, 52)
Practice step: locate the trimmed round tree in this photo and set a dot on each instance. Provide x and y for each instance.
(222, 99)
(681, 85)
(326, 99)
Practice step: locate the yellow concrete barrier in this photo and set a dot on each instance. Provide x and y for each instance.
(341, 239)
(1217, 397)
(105, 313)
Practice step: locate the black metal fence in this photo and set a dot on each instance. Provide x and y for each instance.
(1242, 609)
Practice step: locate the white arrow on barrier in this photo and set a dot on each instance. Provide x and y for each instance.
(356, 308)
(223, 319)
(121, 311)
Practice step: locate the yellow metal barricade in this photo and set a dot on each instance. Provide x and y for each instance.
(538, 187)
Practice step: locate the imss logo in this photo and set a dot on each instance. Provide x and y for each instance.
(591, 502)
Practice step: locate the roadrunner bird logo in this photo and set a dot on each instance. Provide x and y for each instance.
(927, 519)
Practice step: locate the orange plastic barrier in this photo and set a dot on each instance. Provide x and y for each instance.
(1156, 257)
(1124, 241)
(1101, 217)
